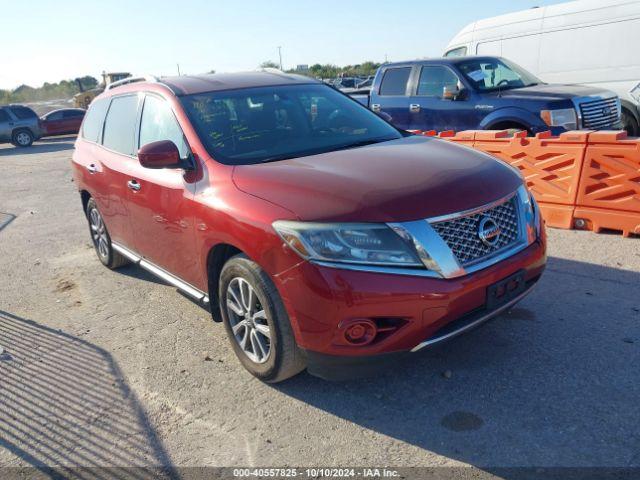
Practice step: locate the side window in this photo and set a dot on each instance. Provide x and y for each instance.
(120, 124)
(92, 125)
(159, 123)
(23, 113)
(456, 52)
(433, 79)
(55, 116)
(72, 114)
(394, 81)
(4, 116)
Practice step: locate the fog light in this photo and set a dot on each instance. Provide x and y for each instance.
(360, 332)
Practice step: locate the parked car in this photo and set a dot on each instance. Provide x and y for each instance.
(588, 42)
(19, 125)
(62, 122)
(461, 93)
(321, 235)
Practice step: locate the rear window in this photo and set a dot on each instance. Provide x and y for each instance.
(120, 124)
(92, 125)
(395, 81)
(23, 113)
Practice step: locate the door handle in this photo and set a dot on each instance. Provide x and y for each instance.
(133, 185)
(92, 168)
(414, 107)
(375, 107)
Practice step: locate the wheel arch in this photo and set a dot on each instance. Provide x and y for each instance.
(216, 258)
(85, 196)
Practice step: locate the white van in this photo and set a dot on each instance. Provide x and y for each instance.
(592, 42)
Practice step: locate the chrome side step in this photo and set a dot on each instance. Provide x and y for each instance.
(163, 274)
(471, 323)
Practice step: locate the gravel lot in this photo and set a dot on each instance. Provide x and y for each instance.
(115, 368)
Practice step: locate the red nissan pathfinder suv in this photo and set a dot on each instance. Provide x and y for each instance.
(320, 235)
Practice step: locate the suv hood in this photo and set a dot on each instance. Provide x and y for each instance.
(401, 180)
(550, 92)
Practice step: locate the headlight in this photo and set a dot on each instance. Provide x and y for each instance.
(635, 93)
(533, 222)
(565, 117)
(362, 243)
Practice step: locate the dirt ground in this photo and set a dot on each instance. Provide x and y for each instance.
(115, 368)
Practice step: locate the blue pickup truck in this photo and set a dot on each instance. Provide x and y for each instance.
(489, 93)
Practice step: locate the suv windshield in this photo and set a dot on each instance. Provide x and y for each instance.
(487, 74)
(257, 125)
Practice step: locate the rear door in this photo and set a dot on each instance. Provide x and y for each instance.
(71, 120)
(114, 164)
(392, 97)
(53, 123)
(430, 110)
(161, 208)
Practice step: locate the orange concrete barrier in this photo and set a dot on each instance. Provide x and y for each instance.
(551, 167)
(609, 193)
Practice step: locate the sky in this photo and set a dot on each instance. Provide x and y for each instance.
(65, 39)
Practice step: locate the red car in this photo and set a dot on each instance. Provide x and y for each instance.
(321, 235)
(62, 122)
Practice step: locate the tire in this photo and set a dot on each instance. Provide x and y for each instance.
(265, 327)
(101, 239)
(511, 128)
(22, 138)
(630, 124)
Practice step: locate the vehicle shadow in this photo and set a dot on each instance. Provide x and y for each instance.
(552, 383)
(45, 145)
(66, 410)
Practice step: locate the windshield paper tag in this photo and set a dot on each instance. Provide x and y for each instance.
(477, 75)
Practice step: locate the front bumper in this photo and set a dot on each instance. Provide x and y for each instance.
(320, 299)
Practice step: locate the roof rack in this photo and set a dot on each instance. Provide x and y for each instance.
(126, 81)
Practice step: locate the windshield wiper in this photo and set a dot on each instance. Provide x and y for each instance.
(364, 143)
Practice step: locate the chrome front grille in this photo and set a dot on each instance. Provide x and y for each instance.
(599, 114)
(462, 234)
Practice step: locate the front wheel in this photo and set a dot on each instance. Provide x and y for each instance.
(257, 323)
(630, 124)
(22, 138)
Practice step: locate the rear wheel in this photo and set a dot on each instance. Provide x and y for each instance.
(630, 124)
(22, 138)
(256, 322)
(101, 239)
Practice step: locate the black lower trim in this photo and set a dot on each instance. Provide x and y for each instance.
(338, 368)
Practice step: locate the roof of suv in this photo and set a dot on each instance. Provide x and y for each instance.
(189, 84)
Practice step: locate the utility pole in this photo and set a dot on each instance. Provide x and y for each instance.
(178, 68)
(280, 55)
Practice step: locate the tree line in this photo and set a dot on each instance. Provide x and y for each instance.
(332, 71)
(48, 91)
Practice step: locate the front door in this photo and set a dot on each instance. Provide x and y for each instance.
(430, 110)
(161, 207)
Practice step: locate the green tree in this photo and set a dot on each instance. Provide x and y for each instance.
(269, 64)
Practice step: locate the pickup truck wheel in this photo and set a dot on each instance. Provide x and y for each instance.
(22, 138)
(101, 239)
(256, 322)
(630, 124)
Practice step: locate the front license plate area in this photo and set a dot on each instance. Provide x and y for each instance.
(505, 290)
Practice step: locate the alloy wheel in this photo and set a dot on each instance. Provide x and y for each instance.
(99, 233)
(23, 139)
(248, 320)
